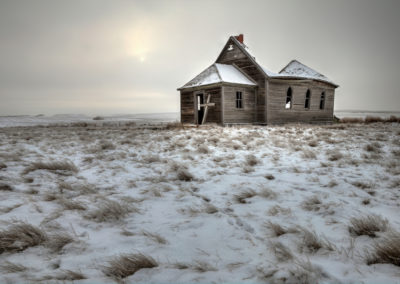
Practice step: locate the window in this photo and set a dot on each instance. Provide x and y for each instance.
(322, 101)
(289, 99)
(307, 101)
(239, 100)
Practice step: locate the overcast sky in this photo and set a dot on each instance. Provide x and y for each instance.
(119, 57)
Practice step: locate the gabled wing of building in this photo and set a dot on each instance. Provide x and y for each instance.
(219, 73)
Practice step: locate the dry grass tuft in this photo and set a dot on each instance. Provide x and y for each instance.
(334, 155)
(58, 241)
(21, 236)
(373, 147)
(277, 230)
(281, 252)
(106, 145)
(9, 267)
(71, 204)
(128, 264)
(109, 210)
(373, 119)
(202, 266)
(203, 149)
(245, 194)
(69, 275)
(387, 250)
(367, 225)
(65, 167)
(313, 203)
(267, 193)
(269, 177)
(312, 243)
(98, 118)
(155, 237)
(2, 165)
(351, 120)
(5, 187)
(184, 175)
(252, 160)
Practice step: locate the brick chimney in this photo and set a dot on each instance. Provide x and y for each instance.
(240, 38)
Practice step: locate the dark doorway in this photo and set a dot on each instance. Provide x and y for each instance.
(200, 109)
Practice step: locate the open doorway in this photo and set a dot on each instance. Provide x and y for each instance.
(200, 109)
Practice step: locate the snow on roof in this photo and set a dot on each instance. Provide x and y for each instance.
(297, 69)
(219, 73)
(294, 70)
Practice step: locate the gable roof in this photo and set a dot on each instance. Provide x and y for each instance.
(219, 73)
(293, 70)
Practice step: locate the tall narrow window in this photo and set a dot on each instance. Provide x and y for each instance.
(239, 100)
(307, 101)
(322, 101)
(289, 99)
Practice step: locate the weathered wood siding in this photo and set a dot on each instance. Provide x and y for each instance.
(187, 107)
(237, 57)
(235, 115)
(276, 101)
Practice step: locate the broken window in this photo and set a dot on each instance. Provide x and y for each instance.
(289, 99)
(322, 101)
(307, 101)
(239, 100)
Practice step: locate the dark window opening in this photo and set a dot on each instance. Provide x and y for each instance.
(239, 100)
(289, 99)
(322, 101)
(307, 101)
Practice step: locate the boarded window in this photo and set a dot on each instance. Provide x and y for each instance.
(307, 100)
(322, 101)
(239, 100)
(289, 99)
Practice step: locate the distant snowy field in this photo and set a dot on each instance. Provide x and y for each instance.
(140, 119)
(252, 204)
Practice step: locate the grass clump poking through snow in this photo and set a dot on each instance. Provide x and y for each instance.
(281, 252)
(386, 250)
(5, 187)
(312, 243)
(109, 210)
(9, 267)
(128, 264)
(368, 225)
(184, 175)
(20, 237)
(65, 167)
(252, 160)
(58, 241)
(245, 194)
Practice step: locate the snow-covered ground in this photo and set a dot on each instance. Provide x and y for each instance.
(247, 204)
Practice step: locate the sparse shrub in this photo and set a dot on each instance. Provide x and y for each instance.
(367, 225)
(386, 250)
(373, 147)
(334, 155)
(252, 160)
(106, 145)
(245, 194)
(128, 264)
(109, 210)
(174, 125)
(64, 167)
(313, 143)
(98, 118)
(21, 236)
(362, 185)
(2, 165)
(5, 187)
(277, 230)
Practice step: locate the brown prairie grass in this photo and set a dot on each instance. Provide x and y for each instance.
(277, 230)
(367, 225)
(252, 160)
(21, 236)
(312, 243)
(125, 265)
(63, 167)
(184, 175)
(351, 120)
(387, 250)
(245, 194)
(155, 237)
(110, 210)
(202, 266)
(267, 193)
(5, 187)
(58, 241)
(269, 177)
(313, 203)
(281, 252)
(69, 275)
(9, 267)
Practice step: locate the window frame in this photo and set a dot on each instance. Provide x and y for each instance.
(322, 100)
(307, 100)
(291, 98)
(239, 100)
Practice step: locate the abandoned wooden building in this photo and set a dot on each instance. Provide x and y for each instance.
(237, 89)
